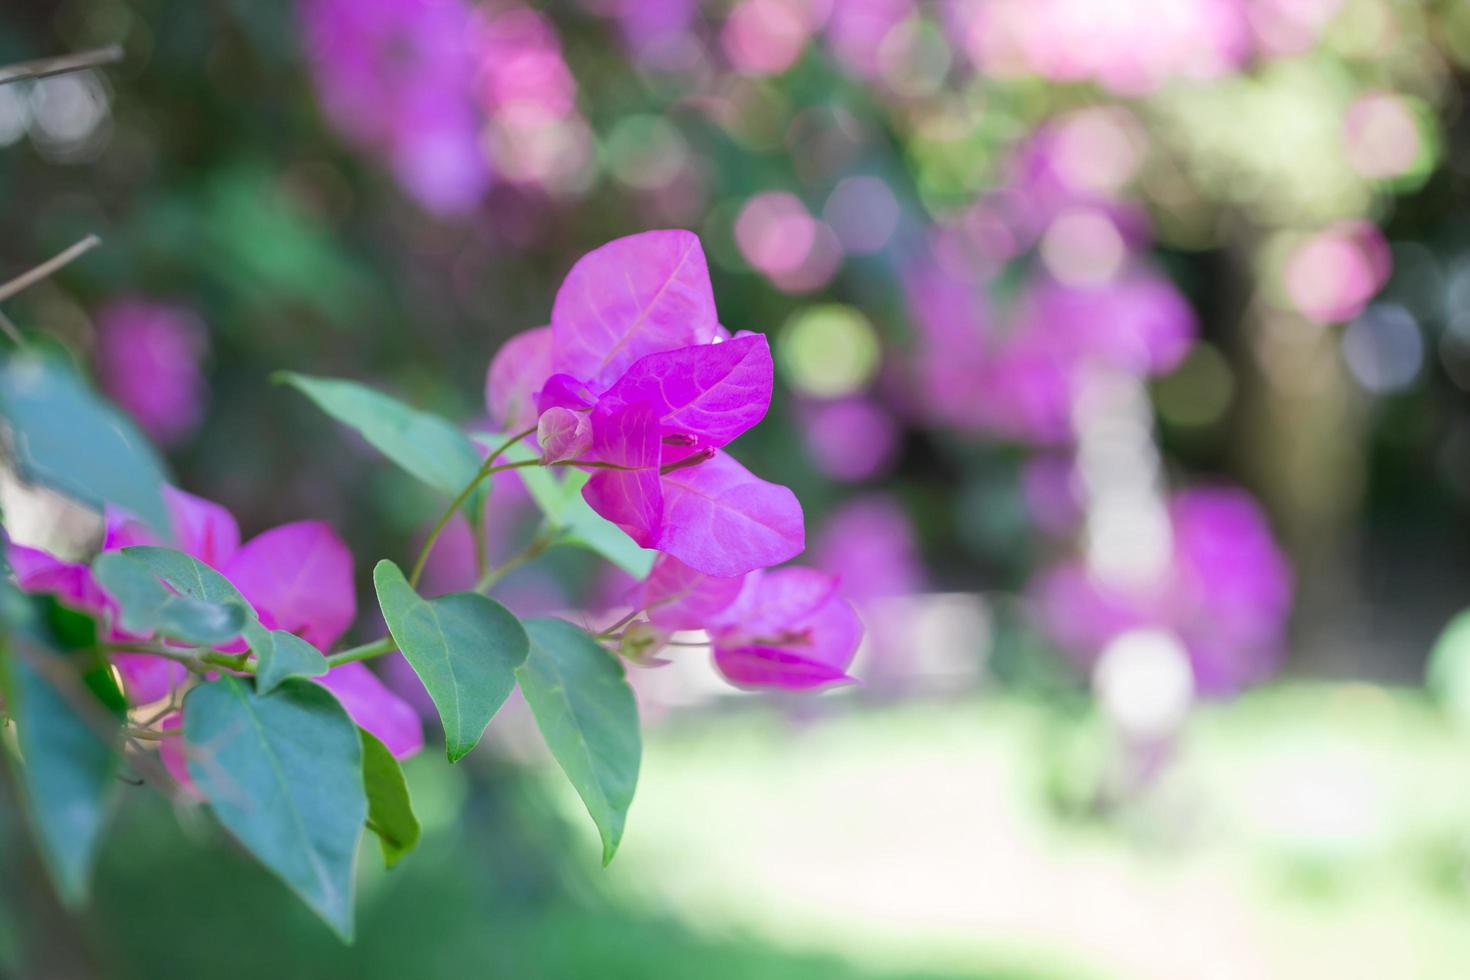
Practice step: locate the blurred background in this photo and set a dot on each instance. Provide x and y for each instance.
(1123, 357)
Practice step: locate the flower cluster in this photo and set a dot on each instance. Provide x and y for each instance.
(297, 576)
(1015, 367)
(148, 357)
(453, 97)
(1225, 593)
(636, 381)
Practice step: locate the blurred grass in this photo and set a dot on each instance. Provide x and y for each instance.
(1311, 831)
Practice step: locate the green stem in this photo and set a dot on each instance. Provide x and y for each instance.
(537, 546)
(366, 651)
(486, 468)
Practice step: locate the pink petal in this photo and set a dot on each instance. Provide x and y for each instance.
(38, 571)
(788, 629)
(631, 498)
(172, 754)
(721, 520)
(376, 708)
(518, 371)
(766, 667)
(563, 434)
(631, 297)
(563, 391)
(679, 598)
(201, 528)
(772, 601)
(712, 392)
(299, 579)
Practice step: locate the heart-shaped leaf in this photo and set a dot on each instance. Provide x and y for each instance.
(65, 709)
(278, 654)
(283, 773)
(589, 718)
(425, 445)
(390, 811)
(67, 438)
(147, 606)
(465, 647)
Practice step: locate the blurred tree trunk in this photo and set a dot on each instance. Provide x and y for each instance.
(1300, 443)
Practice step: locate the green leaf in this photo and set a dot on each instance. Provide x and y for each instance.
(283, 773)
(147, 606)
(427, 446)
(560, 502)
(278, 654)
(1448, 676)
(66, 710)
(67, 438)
(390, 811)
(465, 647)
(589, 718)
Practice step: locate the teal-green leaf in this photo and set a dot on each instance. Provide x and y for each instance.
(589, 718)
(283, 773)
(278, 654)
(390, 811)
(65, 719)
(465, 647)
(188, 575)
(147, 606)
(67, 438)
(425, 445)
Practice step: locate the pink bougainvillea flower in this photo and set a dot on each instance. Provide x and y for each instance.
(519, 369)
(563, 433)
(724, 521)
(298, 577)
(633, 296)
(705, 395)
(201, 528)
(637, 349)
(148, 357)
(787, 629)
(376, 708)
(1226, 594)
(678, 597)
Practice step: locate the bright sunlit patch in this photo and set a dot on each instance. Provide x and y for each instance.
(14, 113)
(764, 37)
(775, 232)
(1382, 137)
(1083, 248)
(1144, 682)
(1098, 151)
(828, 351)
(646, 152)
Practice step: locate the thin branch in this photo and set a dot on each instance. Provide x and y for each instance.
(42, 67)
(48, 267)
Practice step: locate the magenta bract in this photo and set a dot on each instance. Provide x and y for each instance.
(633, 296)
(788, 629)
(636, 349)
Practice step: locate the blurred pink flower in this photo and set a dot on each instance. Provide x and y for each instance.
(396, 77)
(849, 439)
(1226, 594)
(1331, 277)
(148, 361)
